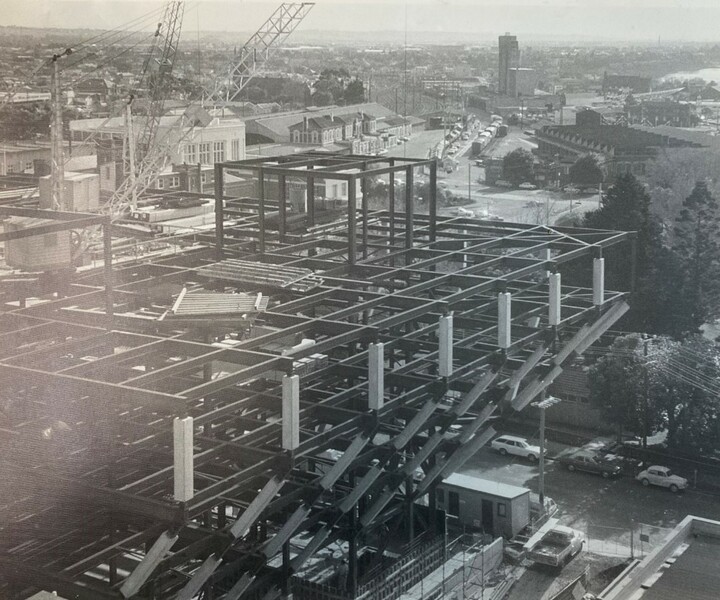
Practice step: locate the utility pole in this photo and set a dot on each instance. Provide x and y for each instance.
(469, 180)
(543, 404)
(646, 392)
(57, 158)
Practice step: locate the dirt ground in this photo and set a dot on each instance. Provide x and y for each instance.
(541, 583)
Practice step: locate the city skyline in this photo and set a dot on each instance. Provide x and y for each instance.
(533, 20)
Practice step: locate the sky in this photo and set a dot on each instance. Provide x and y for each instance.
(629, 20)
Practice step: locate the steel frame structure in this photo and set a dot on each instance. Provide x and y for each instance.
(88, 411)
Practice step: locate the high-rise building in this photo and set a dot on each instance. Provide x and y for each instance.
(509, 57)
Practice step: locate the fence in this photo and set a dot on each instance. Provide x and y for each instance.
(635, 541)
(387, 584)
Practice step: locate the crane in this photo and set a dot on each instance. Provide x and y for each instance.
(156, 73)
(255, 52)
(239, 72)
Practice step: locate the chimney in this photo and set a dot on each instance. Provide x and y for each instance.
(305, 123)
(332, 116)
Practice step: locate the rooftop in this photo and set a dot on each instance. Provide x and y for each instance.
(617, 136)
(486, 486)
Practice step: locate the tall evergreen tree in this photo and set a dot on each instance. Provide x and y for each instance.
(626, 207)
(696, 241)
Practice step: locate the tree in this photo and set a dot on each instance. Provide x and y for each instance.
(586, 171)
(696, 236)
(354, 92)
(518, 166)
(626, 207)
(647, 385)
(616, 384)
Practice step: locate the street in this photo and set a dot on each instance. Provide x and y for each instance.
(605, 509)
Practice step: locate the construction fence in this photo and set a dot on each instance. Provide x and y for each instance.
(635, 541)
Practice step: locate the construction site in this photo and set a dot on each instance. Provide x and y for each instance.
(253, 389)
(167, 419)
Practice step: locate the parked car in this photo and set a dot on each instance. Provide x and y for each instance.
(590, 462)
(510, 444)
(663, 477)
(404, 138)
(503, 183)
(527, 186)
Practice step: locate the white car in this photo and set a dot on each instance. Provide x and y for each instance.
(510, 444)
(662, 476)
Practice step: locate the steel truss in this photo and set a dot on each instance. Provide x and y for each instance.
(88, 411)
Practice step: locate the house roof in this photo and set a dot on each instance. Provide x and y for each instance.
(617, 136)
(280, 123)
(486, 486)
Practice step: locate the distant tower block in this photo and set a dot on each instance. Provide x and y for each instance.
(598, 281)
(504, 319)
(183, 459)
(290, 412)
(376, 376)
(554, 306)
(445, 335)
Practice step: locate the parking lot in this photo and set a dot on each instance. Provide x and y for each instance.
(605, 509)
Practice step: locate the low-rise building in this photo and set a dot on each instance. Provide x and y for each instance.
(624, 149)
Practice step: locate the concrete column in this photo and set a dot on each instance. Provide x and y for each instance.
(548, 256)
(376, 376)
(504, 319)
(445, 335)
(183, 458)
(598, 281)
(290, 412)
(554, 301)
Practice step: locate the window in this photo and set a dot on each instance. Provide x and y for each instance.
(203, 177)
(314, 137)
(453, 504)
(236, 150)
(296, 136)
(50, 240)
(160, 183)
(28, 166)
(218, 152)
(190, 154)
(174, 181)
(501, 509)
(11, 168)
(344, 189)
(205, 154)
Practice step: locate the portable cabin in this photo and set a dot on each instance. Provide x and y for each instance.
(43, 252)
(496, 508)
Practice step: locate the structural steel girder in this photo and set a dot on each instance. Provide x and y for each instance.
(245, 484)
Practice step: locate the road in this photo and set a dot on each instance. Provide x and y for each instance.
(418, 145)
(605, 509)
(522, 206)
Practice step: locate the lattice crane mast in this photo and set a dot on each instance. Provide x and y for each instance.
(255, 53)
(157, 70)
(238, 74)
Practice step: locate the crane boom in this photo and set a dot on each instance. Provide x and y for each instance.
(256, 51)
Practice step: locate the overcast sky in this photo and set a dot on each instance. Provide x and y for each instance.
(631, 20)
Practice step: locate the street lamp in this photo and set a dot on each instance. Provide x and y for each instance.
(543, 404)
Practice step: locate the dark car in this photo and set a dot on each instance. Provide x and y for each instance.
(592, 463)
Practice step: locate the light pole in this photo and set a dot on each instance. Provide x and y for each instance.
(543, 404)
(469, 180)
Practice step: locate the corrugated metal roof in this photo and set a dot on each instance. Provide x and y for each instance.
(486, 486)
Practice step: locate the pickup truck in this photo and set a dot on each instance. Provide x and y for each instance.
(557, 547)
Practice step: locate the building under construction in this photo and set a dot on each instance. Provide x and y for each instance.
(211, 422)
